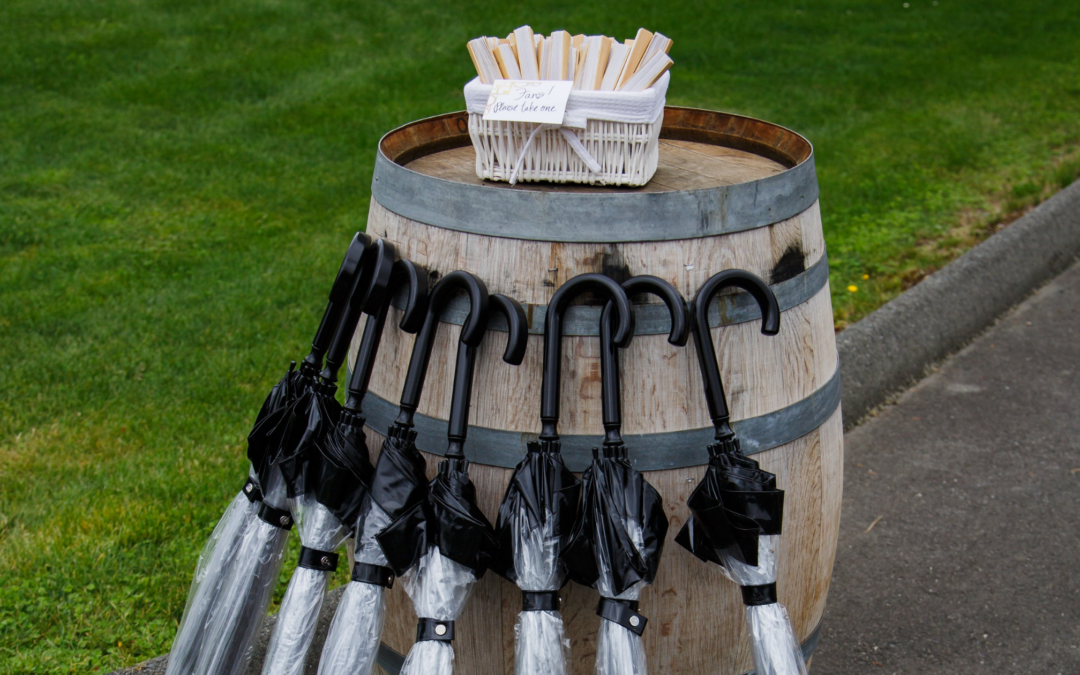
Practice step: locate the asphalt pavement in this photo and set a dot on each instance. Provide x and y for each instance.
(959, 544)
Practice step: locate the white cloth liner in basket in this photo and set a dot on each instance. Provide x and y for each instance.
(606, 138)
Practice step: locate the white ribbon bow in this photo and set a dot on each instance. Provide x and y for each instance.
(571, 138)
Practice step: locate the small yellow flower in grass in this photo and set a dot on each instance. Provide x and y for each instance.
(865, 277)
(853, 289)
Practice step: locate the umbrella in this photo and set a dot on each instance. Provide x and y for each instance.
(329, 482)
(455, 537)
(617, 542)
(353, 639)
(736, 510)
(212, 569)
(400, 482)
(541, 502)
(259, 558)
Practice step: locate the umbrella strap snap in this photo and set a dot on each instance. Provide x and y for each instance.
(314, 559)
(539, 601)
(279, 518)
(251, 491)
(622, 612)
(434, 629)
(764, 594)
(375, 575)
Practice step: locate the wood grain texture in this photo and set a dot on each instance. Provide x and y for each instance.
(696, 616)
(531, 270)
(683, 165)
(662, 385)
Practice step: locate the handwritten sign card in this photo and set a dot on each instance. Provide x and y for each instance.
(543, 102)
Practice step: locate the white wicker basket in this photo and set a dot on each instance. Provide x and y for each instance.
(607, 138)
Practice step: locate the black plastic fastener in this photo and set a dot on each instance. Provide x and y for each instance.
(314, 559)
(251, 490)
(375, 575)
(433, 629)
(622, 612)
(764, 594)
(279, 518)
(540, 601)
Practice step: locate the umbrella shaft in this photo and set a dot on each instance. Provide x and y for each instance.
(321, 342)
(458, 425)
(365, 358)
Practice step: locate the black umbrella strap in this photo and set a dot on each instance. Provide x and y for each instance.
(277, 517)
(433, 629)
(373, 574)
(252, 491)
(622, 612)
(539, 601)
(764, 594)
(314, 559)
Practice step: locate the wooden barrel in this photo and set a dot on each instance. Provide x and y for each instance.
(729, 192)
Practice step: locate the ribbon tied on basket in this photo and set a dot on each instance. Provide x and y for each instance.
(572, 140)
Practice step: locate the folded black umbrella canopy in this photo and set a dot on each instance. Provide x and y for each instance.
(313, 419)
(407, 499)
(352, 642)
(619, 537)
(293, 392)
(456, 539)
(540, 506)
(737, 510)
(214, 572)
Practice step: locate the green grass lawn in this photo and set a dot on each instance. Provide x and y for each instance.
(178, 180)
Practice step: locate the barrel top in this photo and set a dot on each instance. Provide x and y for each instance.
(717, 173)
(683, 165)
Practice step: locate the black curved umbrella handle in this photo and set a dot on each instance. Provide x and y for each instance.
(371, 284)
(414, 278)
(471, 334)
(518, 339)
(611, 390)
(339, 297)
(464, 369)
(706, 352)
(624, 332)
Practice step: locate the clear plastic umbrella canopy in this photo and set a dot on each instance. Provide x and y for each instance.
(737, 510)
(245, 594)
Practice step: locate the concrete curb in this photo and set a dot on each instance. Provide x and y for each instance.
(894, 346)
